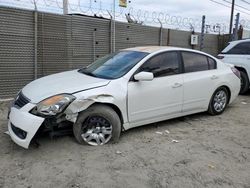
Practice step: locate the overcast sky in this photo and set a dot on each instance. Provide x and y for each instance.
(193, 8)
(215, 13)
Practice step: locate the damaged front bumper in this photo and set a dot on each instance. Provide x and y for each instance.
(22, 125)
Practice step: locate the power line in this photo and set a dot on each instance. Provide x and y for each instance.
(245, 1)
(228, 6)
(220, 3)
(237, 5)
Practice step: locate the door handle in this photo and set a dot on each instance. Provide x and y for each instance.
(176, 85)
(214, 77)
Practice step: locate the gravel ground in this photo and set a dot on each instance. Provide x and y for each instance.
(212, 151)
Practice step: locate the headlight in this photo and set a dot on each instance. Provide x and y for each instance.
(53, 105)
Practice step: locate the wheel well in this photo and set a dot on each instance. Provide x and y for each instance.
(114, 107)
(229, 92)
(242, 69)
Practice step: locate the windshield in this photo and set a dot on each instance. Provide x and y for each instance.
(114, 65)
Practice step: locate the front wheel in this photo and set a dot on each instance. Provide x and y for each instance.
(219, 101)
(97, 125)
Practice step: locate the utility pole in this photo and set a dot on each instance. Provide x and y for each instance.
(160, 37)
(35, 39)
(231, 18)
(236, 27)
(65, 7)
(114, 25)
(202, 32)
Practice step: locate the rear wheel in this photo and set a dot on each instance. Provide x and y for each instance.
(97, 125)
(244, 82)
(219, 101)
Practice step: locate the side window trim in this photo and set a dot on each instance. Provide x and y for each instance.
(215, 62)
(181, 61)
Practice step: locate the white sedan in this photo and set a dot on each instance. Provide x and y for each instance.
(126, 89)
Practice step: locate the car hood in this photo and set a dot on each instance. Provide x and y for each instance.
(65, 82)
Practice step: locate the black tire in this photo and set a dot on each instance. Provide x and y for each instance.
(211, 109)
(244, 82)
(100, 111)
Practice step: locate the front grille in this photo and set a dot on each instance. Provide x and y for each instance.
(21, 100)
(19, 132)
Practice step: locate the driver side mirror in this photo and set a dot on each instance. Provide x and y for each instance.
(144, 76)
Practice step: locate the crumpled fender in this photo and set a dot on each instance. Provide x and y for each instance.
(79, 105)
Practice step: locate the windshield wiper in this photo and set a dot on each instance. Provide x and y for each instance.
(86, 72)
(83, 71)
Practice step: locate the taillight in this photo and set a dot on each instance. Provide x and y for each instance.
(236, 72)
(220, 57)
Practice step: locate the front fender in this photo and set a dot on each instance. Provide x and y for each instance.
(80, 105)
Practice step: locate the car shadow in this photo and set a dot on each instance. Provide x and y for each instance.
(179, 121)
(247, 93)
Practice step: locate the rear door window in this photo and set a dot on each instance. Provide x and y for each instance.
(194, 62)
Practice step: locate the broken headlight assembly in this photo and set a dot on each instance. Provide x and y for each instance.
(53, 105)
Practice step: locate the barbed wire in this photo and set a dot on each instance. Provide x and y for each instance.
(145, 17)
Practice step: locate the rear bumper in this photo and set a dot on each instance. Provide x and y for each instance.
(235, 88)
(22, 125)
(234, 95)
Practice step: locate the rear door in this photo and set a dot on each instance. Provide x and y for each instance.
(200, 79)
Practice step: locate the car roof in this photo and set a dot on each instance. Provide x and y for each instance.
(151, 49)
(233, 44)
(239, 41)
(155, 49)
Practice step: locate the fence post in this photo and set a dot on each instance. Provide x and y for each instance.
(168, 39)
(114, 25)
(160, 36)
(236, 28)
(202, 33)
(70, 49)
(110, 33)
(35, 44)
(65, 7)
(94, 43)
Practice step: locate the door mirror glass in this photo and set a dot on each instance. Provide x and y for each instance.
(144, 76)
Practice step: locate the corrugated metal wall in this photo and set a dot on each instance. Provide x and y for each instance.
(69, 42)
(130, 35)
(16, 50)
(53, 43)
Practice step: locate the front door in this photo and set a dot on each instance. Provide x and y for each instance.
(149, 101)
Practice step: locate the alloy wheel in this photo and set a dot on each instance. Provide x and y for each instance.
(96, 130)
(220, 101)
